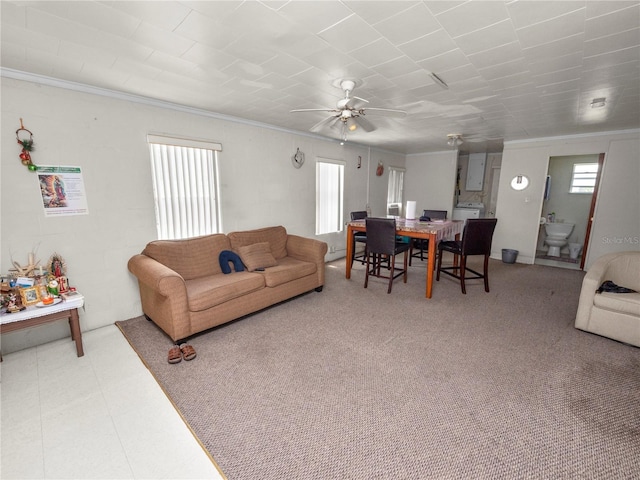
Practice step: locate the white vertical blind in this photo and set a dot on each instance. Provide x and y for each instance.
(329, 197)
(184, 185)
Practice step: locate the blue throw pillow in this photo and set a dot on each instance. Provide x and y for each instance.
(227, 256)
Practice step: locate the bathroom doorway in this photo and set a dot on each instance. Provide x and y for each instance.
(570, 197)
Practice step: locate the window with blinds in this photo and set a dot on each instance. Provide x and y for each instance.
(185, 186)
(329, 196)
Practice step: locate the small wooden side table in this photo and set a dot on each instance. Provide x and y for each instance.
(33, 316)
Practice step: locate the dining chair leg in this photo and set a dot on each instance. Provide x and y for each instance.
(439, 265)
(392, 262)
(463, 264)
(486, 273)
(366, 275)
(405, 267)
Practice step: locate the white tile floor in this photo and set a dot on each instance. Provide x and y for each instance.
(99, 416)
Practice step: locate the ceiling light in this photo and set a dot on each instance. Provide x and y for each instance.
(454, 139)
(351, 124)
(598, 102)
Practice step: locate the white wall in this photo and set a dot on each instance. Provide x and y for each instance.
(106, 137)
(431, 180)
(617, 217)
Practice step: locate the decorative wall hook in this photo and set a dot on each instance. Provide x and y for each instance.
(27, 147)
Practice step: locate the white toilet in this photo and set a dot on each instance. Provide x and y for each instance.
(557, 237)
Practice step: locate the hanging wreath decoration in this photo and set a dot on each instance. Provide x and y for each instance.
(27, 147)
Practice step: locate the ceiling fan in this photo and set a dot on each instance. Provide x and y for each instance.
(349, 113)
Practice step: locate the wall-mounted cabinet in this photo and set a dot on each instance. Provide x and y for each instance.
(475, 172)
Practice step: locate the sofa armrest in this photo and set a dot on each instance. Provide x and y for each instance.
(156, 276)
(590, 283)
(306, 249)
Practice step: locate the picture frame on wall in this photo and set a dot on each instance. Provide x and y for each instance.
(30, 296)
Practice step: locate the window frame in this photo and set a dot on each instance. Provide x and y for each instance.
(588, 175)
(395, 189)
(334, 224)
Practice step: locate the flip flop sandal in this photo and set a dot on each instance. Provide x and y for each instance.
(175, 355)
(188, 352)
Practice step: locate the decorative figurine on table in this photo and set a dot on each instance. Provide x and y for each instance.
(14, 304)
(57, 266)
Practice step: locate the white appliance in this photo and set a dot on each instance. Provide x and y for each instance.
(465, 210)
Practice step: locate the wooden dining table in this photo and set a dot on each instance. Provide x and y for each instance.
(433, 231)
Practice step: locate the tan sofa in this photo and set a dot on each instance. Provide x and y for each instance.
(184, 292)
(612, 315)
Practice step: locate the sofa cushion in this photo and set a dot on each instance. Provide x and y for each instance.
(190, 257)
(275, 236)
(287, 270)
(619, 302)
(257, 256)
(207, 292)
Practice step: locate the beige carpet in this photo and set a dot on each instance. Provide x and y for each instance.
(357, 384)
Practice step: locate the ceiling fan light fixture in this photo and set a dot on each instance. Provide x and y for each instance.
(351, 124)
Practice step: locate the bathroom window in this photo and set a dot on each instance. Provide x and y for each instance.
(583, 178)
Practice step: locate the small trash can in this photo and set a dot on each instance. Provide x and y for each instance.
(509, 256)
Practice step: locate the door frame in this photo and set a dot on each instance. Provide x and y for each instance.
(592, 209)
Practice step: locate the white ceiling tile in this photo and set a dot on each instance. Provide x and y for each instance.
(504, 69)
(445, 61)
(497, 55)
(553, 29)
(558, 48)
(472, 16)
(205, 55)
(395, 68)
(613, 43)
(285, 65)
(349, 34)
(430, 45)
(613, 23)
(382, 11)
(163, 14)
(159, 39)
(408, 25)
(202, 29)
(526, 13)
(86, 54)
(556, 63)
(314, 17)
(377, 52)
(35, 39)
(501, 33)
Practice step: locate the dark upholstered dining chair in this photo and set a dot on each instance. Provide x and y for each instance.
(359, 237)
(476, 240)
(382, 247)
(421, 245)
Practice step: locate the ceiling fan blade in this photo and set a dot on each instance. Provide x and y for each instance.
(329, 110)
(321, 124)
(356, 103)
(365, 124)
(388, 112)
